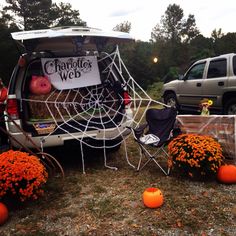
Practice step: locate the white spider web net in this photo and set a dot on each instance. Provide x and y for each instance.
(97, 116)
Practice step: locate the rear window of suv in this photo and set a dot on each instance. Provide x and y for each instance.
(217, 68)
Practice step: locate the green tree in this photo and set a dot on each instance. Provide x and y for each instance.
(31, 14)
(139, 61)
(216, 34)
(173, 35)
(8, 50)
(173, 27)
(155, 90)
(38, 14)
(189, 29)
(225, 44)
(123, 27)
(201, 47)
(65, 16)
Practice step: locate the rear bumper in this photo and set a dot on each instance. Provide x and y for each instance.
(19, 139)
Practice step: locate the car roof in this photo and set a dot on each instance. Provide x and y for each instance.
(68, 31)
(215, 57)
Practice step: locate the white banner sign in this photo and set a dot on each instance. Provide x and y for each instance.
(71, 72)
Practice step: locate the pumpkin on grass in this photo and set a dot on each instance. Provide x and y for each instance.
(227, 174)
(3, 213)
(153, 197)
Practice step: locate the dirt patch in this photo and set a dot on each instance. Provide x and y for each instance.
(108, 202)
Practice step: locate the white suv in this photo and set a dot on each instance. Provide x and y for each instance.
(213, 78)
(65, 88)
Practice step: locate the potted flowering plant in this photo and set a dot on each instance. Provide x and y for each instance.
(196, 155)
(21, 175)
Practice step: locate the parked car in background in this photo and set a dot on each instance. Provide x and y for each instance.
(212, 78)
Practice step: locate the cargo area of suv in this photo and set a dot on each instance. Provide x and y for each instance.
(65, 87)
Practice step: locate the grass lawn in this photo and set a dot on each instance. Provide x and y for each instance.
(108, 202)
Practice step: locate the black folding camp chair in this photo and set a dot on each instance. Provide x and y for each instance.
(159, 129)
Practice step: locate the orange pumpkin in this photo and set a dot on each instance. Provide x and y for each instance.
(3, 213)
(227, 174)
(153, 197)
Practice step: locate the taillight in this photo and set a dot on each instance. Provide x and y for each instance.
(12, 108)
(127, 98)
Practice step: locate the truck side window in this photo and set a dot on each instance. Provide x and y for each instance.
(217, 68)
(234, 64)
(196, 72)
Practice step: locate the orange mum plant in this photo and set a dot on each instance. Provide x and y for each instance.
(21, 175)
(196, 155)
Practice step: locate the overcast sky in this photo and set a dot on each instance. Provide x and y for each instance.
(145, 14)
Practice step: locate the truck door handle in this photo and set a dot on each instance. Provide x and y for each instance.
(199, 84)
(221, 83)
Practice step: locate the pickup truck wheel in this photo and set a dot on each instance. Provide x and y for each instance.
(230, 107)
(170, 99)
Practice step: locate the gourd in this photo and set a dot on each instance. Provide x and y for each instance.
(227, 174)
(3, 213)
(153, 197)
(40, 85)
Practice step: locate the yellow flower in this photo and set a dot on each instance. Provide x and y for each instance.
(210, 102)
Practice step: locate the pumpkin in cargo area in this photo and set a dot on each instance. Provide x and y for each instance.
(227, 174)
(40, 85)
(196, 155)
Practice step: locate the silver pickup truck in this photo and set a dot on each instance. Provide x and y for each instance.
(212, 78)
